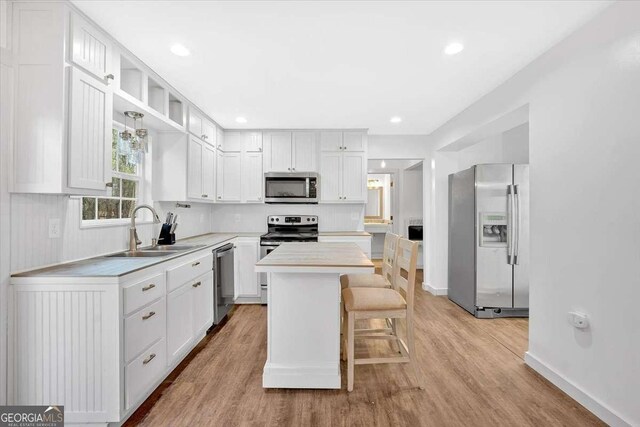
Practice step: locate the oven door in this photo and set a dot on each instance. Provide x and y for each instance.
(290, 188)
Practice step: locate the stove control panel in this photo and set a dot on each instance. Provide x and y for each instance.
(292, 220)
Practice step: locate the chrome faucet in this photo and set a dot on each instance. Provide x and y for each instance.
(133, 234)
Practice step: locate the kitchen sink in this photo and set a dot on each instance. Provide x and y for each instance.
(141, 254)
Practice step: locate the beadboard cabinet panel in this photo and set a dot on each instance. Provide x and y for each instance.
(90, 48)
(91, 117)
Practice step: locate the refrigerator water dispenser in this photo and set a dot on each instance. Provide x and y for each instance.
(493, 229)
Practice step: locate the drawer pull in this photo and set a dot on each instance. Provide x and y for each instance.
(146, 288)
(146, 316)
(195, 264)
(195, 285)
(149, 359)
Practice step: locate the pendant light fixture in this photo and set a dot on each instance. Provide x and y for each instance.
(138, 140)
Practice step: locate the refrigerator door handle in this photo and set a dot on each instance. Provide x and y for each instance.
(516, 225)
(510, 208)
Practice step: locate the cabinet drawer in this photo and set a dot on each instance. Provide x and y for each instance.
(144, 327)
(177, 276)
(144, 371)
(136, 296)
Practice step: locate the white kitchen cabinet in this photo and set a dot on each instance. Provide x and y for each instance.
(180, 322)
(201, 128)
(91, 49)
(251, 177)
(252, 141)
(304, 151)
(209, 132)
(208, 172)
(202, 300)
(63, 114)
(90, 112)
(229, 181)
(247, 281)
(278, 152)
(354, 141)
(290, 151)
(194, 169)
(219, 138)
(343, 141)
(331, 141)
(241, 140)
(354, 177)
(343, 177)
(195, 123)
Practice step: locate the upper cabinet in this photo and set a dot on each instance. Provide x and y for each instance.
(236, 141)
(90, 112)
(343, 141)
(91, 49)
(63, 115)
(201, 127)
(239, 167)
(290, 151)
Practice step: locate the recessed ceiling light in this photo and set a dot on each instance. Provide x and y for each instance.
(241, 120)
(396, 119)
(178, 49)
(453, 48)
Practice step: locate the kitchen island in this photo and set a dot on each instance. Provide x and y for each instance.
(303, 336)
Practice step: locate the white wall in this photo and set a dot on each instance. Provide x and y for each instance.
(398, 146)
(584, 104)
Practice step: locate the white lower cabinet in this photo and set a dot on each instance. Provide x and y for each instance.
(113, 339)
(247, 281)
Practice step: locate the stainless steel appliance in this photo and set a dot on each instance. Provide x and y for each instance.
(222, 281)
(489, 240)
(298, 187)
(285, 228)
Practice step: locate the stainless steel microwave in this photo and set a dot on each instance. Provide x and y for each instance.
(297, 187)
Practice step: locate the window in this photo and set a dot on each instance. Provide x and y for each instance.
(125, 189)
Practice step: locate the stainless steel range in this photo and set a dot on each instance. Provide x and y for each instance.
(282, 229)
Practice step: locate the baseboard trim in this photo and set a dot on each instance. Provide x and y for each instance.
(597, 408)
(434, 291)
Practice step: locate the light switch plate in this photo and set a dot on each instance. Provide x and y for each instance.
(54, 228)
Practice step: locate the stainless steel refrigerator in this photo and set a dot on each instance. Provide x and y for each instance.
(489, 240)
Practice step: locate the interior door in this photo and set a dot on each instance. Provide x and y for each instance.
(194, 177)
(521, 267)
(494, 281)
(280, 152)
(304, 151)
(91, 116)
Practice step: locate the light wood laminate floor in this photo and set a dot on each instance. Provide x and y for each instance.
(473, 371)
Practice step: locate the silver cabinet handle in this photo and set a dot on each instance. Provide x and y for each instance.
(203, 136)
(219, 197)
(195, 264)
(147, 316)
(109, 184)
(205, 195)
(150, 286)
(289, 168)
(149, 359)
(195, 285)
(108, 77)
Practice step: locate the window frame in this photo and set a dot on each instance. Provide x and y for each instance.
(138, 177)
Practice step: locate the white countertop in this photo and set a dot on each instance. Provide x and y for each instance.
(316, 257)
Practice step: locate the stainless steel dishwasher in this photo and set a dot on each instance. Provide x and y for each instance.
(223, 281)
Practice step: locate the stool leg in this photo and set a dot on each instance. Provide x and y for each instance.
(412, 353)
(350, 349)
(343, 332)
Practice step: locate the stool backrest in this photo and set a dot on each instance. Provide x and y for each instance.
(389, 255)
(406, 261)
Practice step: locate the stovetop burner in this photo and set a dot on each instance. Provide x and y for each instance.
(285, 228)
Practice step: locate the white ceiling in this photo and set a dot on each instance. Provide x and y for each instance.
(338, 64)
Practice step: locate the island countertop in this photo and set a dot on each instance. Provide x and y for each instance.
(341, 258)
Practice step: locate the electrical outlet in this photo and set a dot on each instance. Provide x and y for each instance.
(54, 228)
(578, 320)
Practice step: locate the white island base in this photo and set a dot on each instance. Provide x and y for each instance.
(303, 339)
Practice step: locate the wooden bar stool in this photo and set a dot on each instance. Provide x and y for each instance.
(384, 303)
(375, 280)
